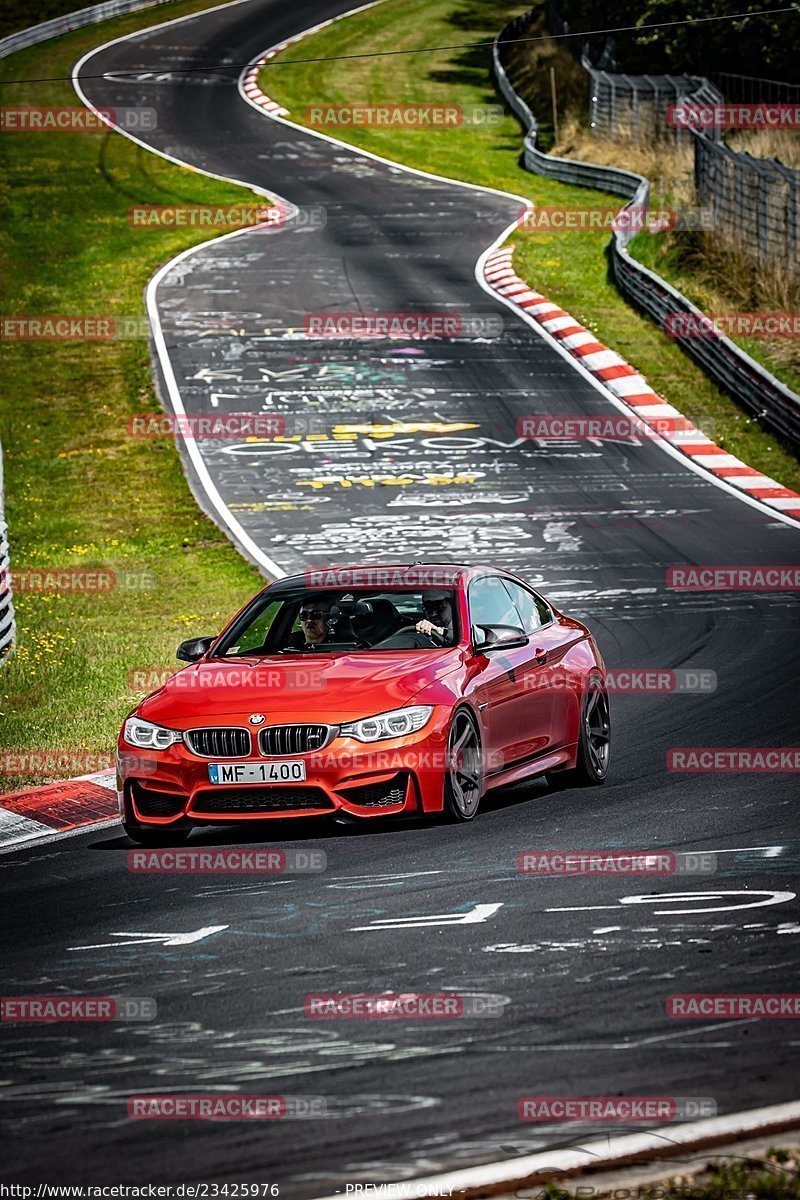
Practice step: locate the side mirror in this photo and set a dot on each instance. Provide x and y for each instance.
(486, 638)
(194, 648)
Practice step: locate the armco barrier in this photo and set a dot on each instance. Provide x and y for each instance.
(723, 361)
(8, 630)
(70, 21)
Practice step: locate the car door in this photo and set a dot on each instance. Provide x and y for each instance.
(543, 681)
(501, 700)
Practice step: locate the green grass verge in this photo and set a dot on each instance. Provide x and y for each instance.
(773, 1177)
(571, 267)
(79, 491)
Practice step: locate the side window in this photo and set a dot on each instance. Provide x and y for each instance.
(533, 612)
(490, 603)
(255, 635)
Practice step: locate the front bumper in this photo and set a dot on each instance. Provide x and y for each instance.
(400, 775)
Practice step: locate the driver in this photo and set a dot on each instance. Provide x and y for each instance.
(438, 610)
(316, 626)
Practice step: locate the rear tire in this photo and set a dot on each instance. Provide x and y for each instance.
(463, 781)
(145, 835)
(594, 741)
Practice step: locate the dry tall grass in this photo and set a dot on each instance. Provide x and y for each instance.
(723, 277)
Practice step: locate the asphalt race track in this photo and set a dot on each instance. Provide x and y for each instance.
(585, 965)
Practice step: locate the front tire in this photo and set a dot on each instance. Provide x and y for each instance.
(594, 741)
(463, 782)
(151, 835)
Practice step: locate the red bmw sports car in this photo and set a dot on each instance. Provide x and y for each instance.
(366, 692)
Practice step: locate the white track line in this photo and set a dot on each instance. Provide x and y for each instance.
(670, 1139)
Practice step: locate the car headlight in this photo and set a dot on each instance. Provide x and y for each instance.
(137, 732)
(398, 723)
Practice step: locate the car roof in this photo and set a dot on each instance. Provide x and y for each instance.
(360, 575)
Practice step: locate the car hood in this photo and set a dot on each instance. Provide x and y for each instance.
(310, 687)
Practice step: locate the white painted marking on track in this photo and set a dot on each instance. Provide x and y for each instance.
(346, 882)
(766, 851)
(686, 898)
(154, 939)
(475, 916)
(16, 828)
(55, 835)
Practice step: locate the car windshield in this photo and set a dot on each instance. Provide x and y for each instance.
(305, 621)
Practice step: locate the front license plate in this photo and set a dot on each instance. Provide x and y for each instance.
(285, 771)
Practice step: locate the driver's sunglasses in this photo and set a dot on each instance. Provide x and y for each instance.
(435, 605)
(313, 614)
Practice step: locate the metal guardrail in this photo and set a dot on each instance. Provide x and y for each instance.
(746, 88)
(8, 630)
(756, 199)
(721, 359)
(69, 21)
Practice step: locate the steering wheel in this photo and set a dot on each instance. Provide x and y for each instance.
(417, 640)
(436, 638)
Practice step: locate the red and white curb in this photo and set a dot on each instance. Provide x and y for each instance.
(626, 385)
(249, 80)
(41, 813)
